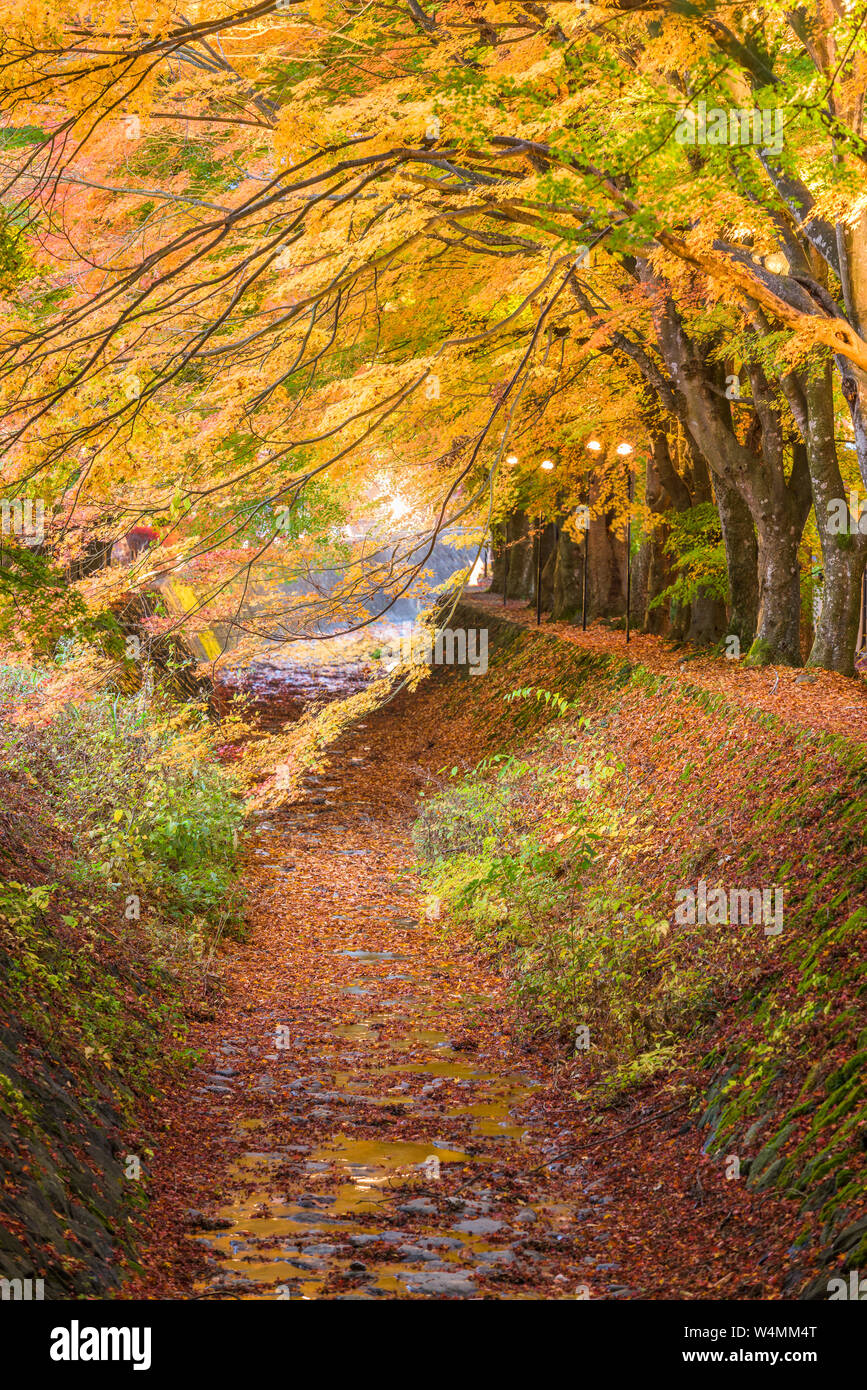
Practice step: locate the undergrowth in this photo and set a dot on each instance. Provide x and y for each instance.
(142, 879)
(529, 852)
(565, 856)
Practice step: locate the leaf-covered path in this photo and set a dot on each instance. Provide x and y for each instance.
(807, 697)
(373, 1118)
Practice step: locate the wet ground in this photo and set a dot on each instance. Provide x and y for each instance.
(281, 686)
(373, 1117)
(282, 682)
(384, 1135)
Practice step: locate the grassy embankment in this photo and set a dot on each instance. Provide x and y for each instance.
(117, 878)
(605, 790)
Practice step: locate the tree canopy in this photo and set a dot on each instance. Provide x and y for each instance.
(307, 285)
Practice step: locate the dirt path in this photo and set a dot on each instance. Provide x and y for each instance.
(810, 698)
(371, 1120)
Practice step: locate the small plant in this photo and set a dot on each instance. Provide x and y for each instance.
(526, 852)
(556, 702)
(154, 817)
(695, 544)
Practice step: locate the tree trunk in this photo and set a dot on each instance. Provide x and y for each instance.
(707, 620)
(606, 590)
(779, 505)
(777, 628)
(742, 561)
(548, 538)
(837, 629)
(499, 561)
(568, 578)
(513, 559)
(659, 575)
(843, 551)
(641, 568)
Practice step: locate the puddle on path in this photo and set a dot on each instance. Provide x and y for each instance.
(385, 1152)
(373, 955)
(365, 1209)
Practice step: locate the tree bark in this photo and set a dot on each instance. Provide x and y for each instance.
(843, 553)
(568, 579)
(514, 556)
(778, 506)
(837, 629)
(777, 630)
(742, 561)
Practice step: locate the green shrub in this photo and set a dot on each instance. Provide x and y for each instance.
(153, 814)
(513, 850)
(531, 853)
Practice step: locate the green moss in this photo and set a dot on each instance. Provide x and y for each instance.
(13, 1101)
(792, 1071)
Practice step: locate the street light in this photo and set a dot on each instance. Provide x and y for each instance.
(511, 460)
(583, 513)
(546, 465)
(624, 450)
(595, 448)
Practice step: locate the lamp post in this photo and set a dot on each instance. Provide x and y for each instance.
(624, 450)
(511, 460)
(584, 525)
(595, 448)
(546, 465)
